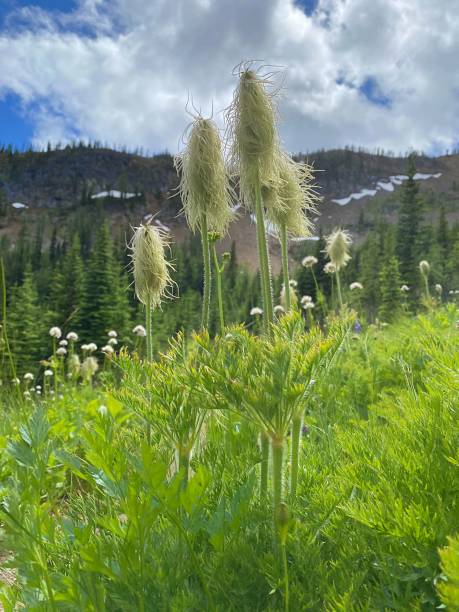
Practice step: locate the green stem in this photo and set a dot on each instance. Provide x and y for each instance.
(207, 274)
(264, 443)
(4, 329)
(148, 329)
(296, 437)
(263, 254)
(338, 286)
(277, 447)
(284, 249)
(286, 582)
(184, 463)
(219, 271)
(426, 279)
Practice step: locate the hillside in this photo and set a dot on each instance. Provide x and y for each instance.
(358, 190)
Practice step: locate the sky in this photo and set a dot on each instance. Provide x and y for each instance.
(369, 73)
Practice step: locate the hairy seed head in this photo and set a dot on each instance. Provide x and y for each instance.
(424, 267)
(204, 183)
(151, 270)
(288, 199)
(337, 248)
(252, 130)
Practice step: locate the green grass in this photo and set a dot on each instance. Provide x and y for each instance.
(98, 514)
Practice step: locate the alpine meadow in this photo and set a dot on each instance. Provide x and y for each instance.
(191, 424)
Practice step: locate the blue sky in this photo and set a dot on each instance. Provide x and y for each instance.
(379, 74)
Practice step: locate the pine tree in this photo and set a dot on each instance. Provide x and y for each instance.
(106, 303)
(409, 221)
(73, 287)
(390, 300)
(27, 324)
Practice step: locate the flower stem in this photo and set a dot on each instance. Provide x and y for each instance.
(296, 436)
(284, 248)
(207, 274)
(285, 568)
(148, 329)
(264, 443)
(263, 254)
(338, 287)
(184, 462)
(219, 271)
(277, 446)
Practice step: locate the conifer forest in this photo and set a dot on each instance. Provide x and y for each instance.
(182, 431)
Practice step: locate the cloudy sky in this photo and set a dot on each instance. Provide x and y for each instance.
(373, 73)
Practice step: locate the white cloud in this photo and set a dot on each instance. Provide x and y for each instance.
(121, 71)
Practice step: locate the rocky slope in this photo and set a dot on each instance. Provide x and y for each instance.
(357, 188)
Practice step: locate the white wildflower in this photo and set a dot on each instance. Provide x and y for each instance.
(113, 342)
(55, 332)
(438, 288)
(356, 285)
(28, 376)
(61, 351)
(404, 288)
(72, 337)
(48, 373)
(256, 311)
(63, 343)
(329, 268)
(139, 330)
(112, 334)
(309, 261)
(107, 350)
(279, 309)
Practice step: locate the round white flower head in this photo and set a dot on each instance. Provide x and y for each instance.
(305, 299)
(63, 343)
(61, 351)
(107, 350)
(309, 261)
(55, 332)
(27, 394)
(293, 283)
(84, 347)
(308, 305)
(15, 381)
(28, 376)
(456, 292)
(451, 292)
(356, 285)
(256, 311)
(279, 309)
(404, 288)
(139, 330)
(112, 334)
(38, 392)
(72, 337)
(424, 267)
(329, 268)
(291, 293)
(92, 346)
(438, 288)
(48, 373)
(113, 342)
(38, 387)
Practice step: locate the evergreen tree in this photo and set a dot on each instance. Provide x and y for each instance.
(390, 300)
(409, 221)
(73, 287)
(106, 303)
(27, 324)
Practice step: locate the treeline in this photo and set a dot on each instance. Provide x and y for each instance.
(80, 281)
(77, 277)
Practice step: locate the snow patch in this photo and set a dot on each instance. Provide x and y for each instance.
(114, 193)
(384, 185)
(162, 226)
(19, 205)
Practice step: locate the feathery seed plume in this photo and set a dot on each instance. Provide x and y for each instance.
(424, 267)
(252, 130)
(204, 182)
(337, 248)
(151, 270)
